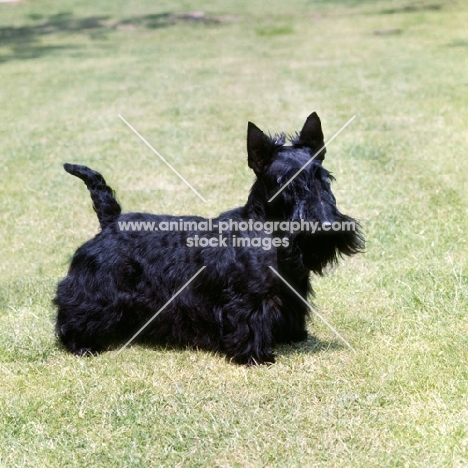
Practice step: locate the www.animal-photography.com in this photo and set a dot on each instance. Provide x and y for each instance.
(234, 233)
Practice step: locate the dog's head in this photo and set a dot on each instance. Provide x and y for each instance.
(293, 185)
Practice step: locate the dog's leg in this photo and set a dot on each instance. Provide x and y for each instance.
(250, 336)
(293, 325)
(75, 341)
(86, 328)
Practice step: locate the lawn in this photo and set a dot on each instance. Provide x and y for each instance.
(189, 77)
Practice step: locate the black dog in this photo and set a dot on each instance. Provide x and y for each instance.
(121, 278)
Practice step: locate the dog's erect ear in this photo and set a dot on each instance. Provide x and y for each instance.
(311, 135)
(260, 149)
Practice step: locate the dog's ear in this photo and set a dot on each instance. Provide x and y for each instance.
(311, 135)
(260, 149)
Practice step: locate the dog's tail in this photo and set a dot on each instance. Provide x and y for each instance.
(104, 203)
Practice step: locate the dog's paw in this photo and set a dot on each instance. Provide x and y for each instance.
(300, 335)
(266, 358)
(86, 352)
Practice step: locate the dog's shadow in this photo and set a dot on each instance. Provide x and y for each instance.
(310, 346)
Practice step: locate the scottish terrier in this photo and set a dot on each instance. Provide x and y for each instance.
(136, 268)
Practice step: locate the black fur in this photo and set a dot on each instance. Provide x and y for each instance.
(119, 279)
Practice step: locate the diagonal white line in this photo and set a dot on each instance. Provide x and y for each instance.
(160, 157)
(161, 309)
(313, 310)
(311, 159)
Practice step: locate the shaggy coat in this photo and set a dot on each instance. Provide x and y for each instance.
(121, 278)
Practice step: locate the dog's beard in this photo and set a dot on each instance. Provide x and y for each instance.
(323, 248)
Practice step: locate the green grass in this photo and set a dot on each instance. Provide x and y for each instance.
(67, 69)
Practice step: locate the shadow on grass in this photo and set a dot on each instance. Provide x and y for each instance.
(412, 8)
(25, 41)
(458, 43)
(311, 346)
